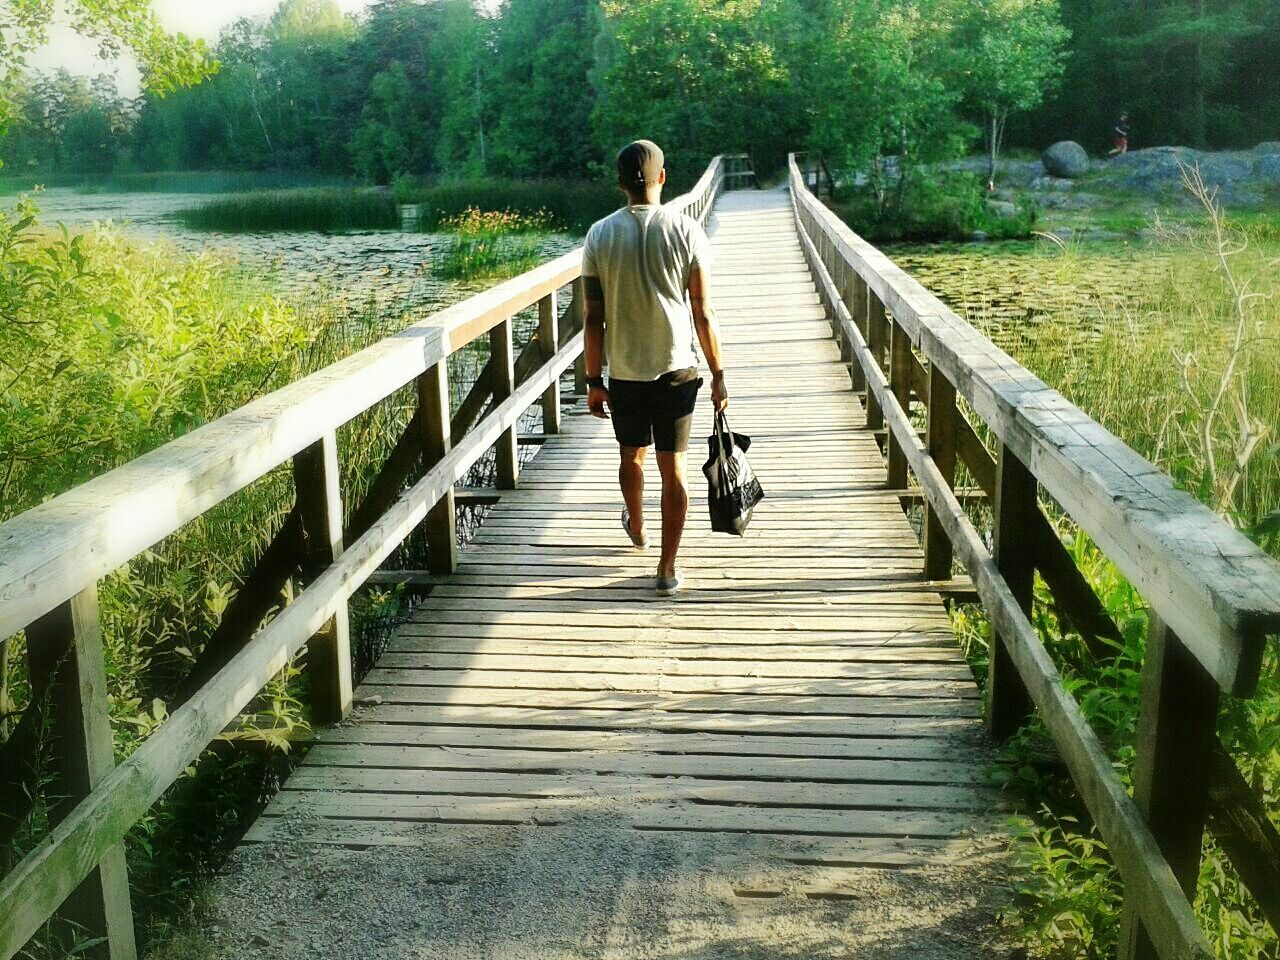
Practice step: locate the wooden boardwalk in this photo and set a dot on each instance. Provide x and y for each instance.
(804, 685)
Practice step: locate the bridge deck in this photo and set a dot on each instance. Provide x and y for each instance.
(802, 703)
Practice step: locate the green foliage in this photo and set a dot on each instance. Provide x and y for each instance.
(313, 208)
(734, 95)
(937, 206)
(167, 61)
(1186, 72)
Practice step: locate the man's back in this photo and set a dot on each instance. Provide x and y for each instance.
(642, 255)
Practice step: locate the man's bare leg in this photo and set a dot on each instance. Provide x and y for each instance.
(675, 508)
(631, 480)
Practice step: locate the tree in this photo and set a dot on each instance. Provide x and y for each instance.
(877, 77)
(543, 54)
(167, 61)
(700, 77)
(1013, 53)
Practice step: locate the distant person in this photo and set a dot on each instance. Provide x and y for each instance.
(1120, 137)
(638, 263)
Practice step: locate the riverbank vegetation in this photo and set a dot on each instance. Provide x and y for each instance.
(488, 244)
(1184, 365)
(317, 208)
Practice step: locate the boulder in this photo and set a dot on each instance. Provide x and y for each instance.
(1268, 148)
(1066, 158)
(1268, 169)
(1002, 208)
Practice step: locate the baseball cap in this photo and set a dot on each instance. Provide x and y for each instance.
(639, 163)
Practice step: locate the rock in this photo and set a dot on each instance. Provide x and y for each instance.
(978, 236)
(1066, 158)
(1268, 148)
(1002, 208)
(1268, 168)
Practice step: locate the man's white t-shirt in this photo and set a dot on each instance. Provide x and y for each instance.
(642, 256)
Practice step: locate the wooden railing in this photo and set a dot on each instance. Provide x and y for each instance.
(1214, 597)
(53, 556)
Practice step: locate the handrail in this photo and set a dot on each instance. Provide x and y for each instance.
(1211, 584)
(1214, 596)
(52, 556)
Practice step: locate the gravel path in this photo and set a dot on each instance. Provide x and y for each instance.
(594, 889)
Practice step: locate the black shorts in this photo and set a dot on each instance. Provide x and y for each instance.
(658, 412)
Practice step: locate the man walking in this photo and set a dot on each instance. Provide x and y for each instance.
(637, 266)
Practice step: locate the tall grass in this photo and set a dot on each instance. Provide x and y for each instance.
(312, 208)
(1186, 369)
(566, 205)
(490, 244)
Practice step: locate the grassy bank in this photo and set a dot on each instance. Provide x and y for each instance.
(1188, 373)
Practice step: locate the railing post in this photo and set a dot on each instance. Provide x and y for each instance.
(578, 313)
(900, 383)
(1177, 723)
(504, 384)
(64, 654)
(940, 438)
(549, 338)
(315, 474)
(875, 342)
(856, 301)
(441, 524)
(1008, 703)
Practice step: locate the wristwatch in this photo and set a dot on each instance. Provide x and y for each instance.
(595, 382)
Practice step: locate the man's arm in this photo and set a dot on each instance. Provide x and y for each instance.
(593, 346)
(704, 321)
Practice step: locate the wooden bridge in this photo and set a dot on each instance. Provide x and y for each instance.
(802, 702)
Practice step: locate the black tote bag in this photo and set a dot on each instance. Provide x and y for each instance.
(733, 490)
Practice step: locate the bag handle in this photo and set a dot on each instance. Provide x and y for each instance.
(724, 436)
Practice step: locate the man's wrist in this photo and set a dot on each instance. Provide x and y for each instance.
(717, 374)
(596, 382)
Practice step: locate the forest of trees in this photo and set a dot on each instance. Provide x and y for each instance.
(550, 87)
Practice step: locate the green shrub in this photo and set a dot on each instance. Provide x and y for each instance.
(308, 208)
(930, 206)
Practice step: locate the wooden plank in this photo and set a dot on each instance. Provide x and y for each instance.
(65, 659)
(316, 478)
(488, 677)
(412, 769)
(538, 658)
(967, 749)
(377, 793)
(764, 704)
